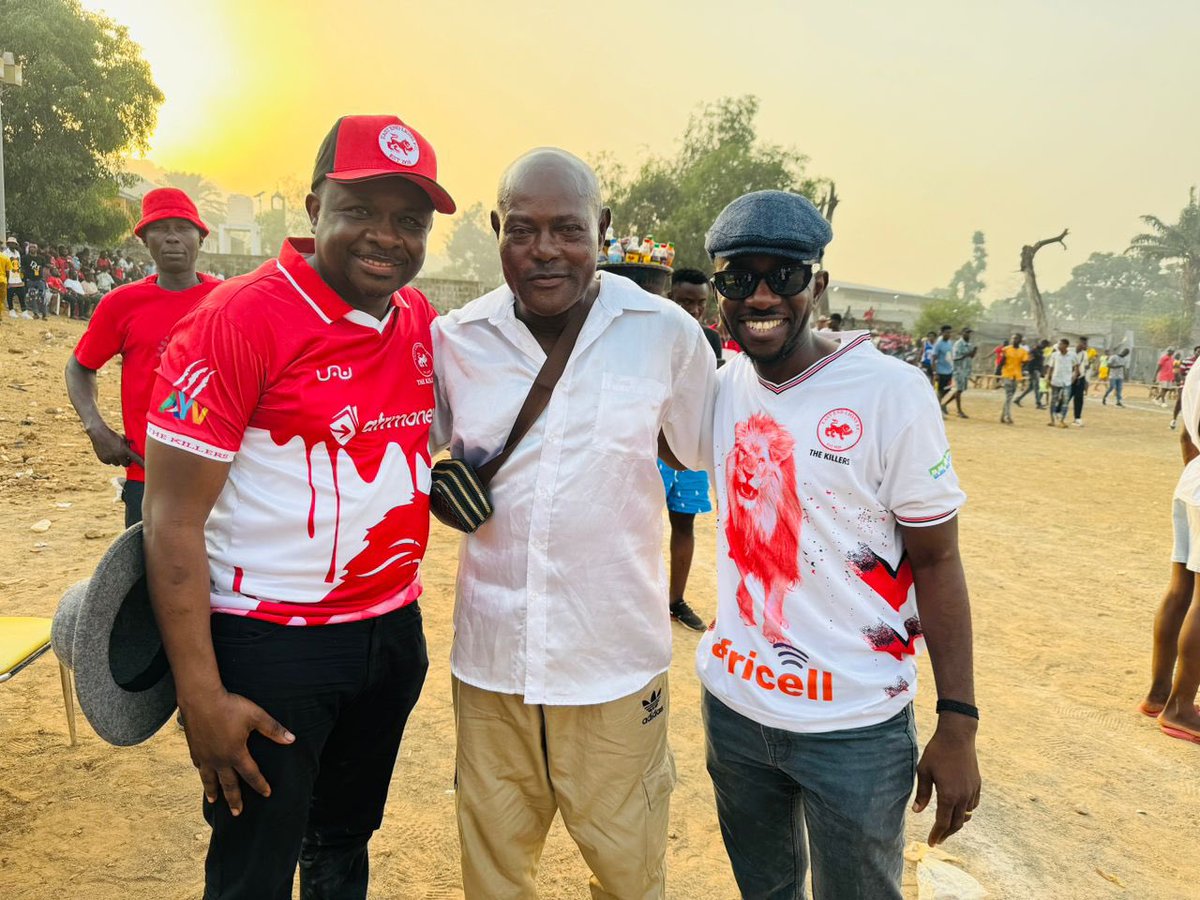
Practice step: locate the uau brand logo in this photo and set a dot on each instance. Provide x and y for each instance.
(345, 425)
(335, 372)
(399, 145)
(941, 467)
(809, 682)
(653, 706)
(422, 360)
(839, 430)
(181, 402)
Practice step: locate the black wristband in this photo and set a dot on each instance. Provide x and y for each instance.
(963, 709)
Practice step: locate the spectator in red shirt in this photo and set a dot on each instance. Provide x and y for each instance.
(134, 321)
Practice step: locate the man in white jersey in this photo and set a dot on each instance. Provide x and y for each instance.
(837, 558)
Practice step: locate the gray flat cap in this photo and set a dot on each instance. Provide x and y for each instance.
(776, 223)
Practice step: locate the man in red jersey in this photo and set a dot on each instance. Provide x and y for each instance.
(134, 321)
(287, 511)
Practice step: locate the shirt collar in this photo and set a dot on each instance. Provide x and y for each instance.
(617, 294)
(323, 299)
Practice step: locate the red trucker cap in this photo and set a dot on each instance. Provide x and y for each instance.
(362, 147)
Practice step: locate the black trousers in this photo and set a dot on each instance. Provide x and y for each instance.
(345, 691)
(132, 495)
(1078, 392)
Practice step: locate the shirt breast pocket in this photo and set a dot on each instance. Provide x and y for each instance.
(627, 415)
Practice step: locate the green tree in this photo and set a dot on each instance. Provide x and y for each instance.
(676, 198)
(207, 196)
(88, 96)
(1179, 242)
(951, 311)
(1115, 287)
(471, 248)
(967, 283)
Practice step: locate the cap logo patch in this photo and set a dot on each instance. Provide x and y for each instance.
(399, 145)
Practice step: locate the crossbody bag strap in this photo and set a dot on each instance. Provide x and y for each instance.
(541, 389)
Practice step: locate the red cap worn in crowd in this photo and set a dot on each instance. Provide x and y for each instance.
(169, 203)
(362, 147)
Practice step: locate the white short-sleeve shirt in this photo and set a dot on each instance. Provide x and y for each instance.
(813, 479)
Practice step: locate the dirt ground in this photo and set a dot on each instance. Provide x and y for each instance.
(1066, 541)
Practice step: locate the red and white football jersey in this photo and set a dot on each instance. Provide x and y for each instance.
(323, 413)
(817, 625)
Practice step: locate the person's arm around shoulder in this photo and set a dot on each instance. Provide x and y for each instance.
(181, 489)
(949, 762)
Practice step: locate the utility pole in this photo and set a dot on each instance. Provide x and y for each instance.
(12, 78)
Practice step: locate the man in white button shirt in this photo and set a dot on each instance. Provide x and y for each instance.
(562, 635)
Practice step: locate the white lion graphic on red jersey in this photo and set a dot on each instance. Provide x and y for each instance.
(763, 523)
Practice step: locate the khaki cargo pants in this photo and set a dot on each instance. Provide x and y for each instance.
(606, 767)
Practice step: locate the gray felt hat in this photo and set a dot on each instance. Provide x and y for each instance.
(104, 630)
(775, 223)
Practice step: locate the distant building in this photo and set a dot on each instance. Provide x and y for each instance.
(890, 306)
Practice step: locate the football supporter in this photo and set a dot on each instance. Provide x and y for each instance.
(963, 357)
(16, 282)
(837, 560)
(133, 321)
(1062, 369)
(943, 363)
(1015, 357)
(286, 517)
(1080, 384)
(687, 489)
(562, 640)
(1177, 625)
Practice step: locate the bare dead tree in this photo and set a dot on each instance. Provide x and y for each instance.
(828, 203)
(1031, 286)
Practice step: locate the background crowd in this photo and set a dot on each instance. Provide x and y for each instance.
(43, 280)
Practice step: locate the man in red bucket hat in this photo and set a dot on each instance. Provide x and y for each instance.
(134, 321)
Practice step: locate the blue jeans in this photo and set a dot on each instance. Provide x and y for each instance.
(838, 797)
(1114, 384)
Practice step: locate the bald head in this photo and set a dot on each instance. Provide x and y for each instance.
(544, 166)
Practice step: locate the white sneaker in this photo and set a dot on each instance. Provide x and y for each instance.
(27, 315)
(12, 314)
(1078, 423)
(1173, 424)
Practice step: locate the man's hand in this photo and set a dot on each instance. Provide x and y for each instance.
(217, 730)
(113, 449)
(949, 764)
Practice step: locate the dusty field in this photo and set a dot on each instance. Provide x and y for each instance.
(1066, 542)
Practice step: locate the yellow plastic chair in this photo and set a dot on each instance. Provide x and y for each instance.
(22, 640)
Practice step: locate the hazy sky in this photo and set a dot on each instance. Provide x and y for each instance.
(935, 117)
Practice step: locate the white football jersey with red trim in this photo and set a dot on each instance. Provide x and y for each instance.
(817, 626)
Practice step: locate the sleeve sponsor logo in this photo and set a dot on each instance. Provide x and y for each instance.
(941, 467)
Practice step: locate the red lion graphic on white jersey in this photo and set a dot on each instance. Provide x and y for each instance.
(763, 524)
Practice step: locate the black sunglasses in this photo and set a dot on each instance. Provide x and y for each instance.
(786, 281)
